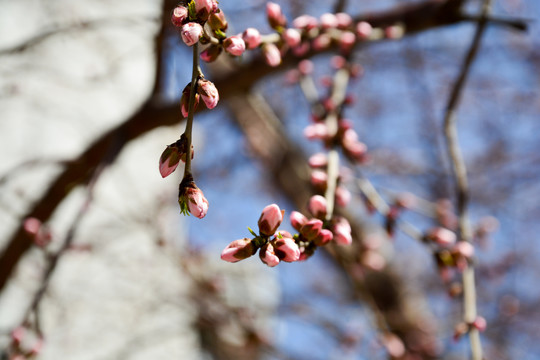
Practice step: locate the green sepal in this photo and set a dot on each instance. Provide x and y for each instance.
(220, 34)
(184, 210)
(192, 11)
(252, 232)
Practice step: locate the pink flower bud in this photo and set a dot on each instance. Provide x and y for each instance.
(441, 236)
(363, 30)
(344, 20)
(318, 131)
(286, 249)
(342, 231)
(268, 255)
(252, 38)
(217, 21)
(319, 179)
(321, 42)
(302, 49)
(318, 160)
(205, 7)
(480, 323)
(394, 32)
(298, 220)
(169, 160)
(238, 250)
(311, 229)
(179, 15)
(317, 206)
(324, 237)
(343, 196)
(305, 67)
(272, 55)
(211, 53)
(276, 19)
(191, 32)
(32, 226)
(328, 21)
(292, 37)
(338, 62)
(191, 199)
(208, 93)
(465, 249)
(184, 100)
(270, 219)
(234, 45)
(346, 41)
(305, 22)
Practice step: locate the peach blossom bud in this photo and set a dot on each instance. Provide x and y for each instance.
(169, 160)
(356, 70)
(211, 53)
(342, 231)
(317, 206)
(270, 219)
(363, 30)
(252, 38)
(305, 67)
(394, 32)
(276, 19)
(297, 220)
(319, 178)
(208, 93)
(318, 160)
(318, 131)
(338, 62)
(184, 100)
(191, 32)
(272, 55)
(234, 45)
(343, 196)
(346, 41)
(465, 249)
(441, 236)
(218, 22)
(292, 37)
(301, 50)
(394, 345)
(268, 255)
(286, 249)
(480, 323)
(311, 229)
(305, 22)
(32, 226)
(191, 199)
(179, 15)
(344, 20)
(328, 21)
(238, 250)
(205, 7)
(321, 42)
(324, 237)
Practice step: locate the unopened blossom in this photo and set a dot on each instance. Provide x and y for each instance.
(286, 249)
(343, 196)
(441, 236)
(184, 100)
(191, 199)
(205, 7)
(321, 42)
(276, 19)
(238, 250)
(301, 49)
(32, 226)
(305, 22)
(191, 32)
(169, 159)
(305, 67)
(297, 220)
(319, 179)
(317, 206)
(328, 21)
(318, 160)
(342, 231)
(479, 323)
(323, 237)
(270, 219)
(318, 131)
(363, 30)
(311, 229)
(217, 21)
(268, 255)
(465, 249)
(252, 37)
(209, 93)
(272, 55)
(292, 37)
(211, 53)
(234, 45)
(394, 32)
(346, 41)
(344, 20)
(179, 15)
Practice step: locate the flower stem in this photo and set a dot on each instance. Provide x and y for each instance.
(189, 123)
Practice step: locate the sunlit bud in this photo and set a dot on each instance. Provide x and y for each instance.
(328, 21)
(317, 206)
(321, 42)
(32, 226)
(346, 41)
(342, 231)
(292, 37)
(394, 32)
(319, 179)
(234, 45)
(323, 237)
(311, 229)
(276, 19)
(465, 249)
(441, 236)
(286, 249)
(252, 38)
(394, 345)
(373, 260)
(270, 219)
(338, 62)
(306, 22)
(343, 196)
(179, 15)
(480, 323)
(169, 160)
(217, 21)
(205, 7)
(40, 233)
(298, 220)
(191, 32)
(318, 131)
(305, 67)
(363, 30)
(272, 55)
(209, 93)
(302, 49)
(318, 160)
(238, 250)
(191, 199)
(184, 100)
(268, 255)
(344, 20)
(211, 53)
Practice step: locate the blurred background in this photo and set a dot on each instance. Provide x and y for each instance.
(89, 98)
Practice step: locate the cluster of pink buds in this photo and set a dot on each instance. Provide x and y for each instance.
(274, 246)
(319, 179)
(449, 254)
(205, 90)
(24, 344)
(463, 328)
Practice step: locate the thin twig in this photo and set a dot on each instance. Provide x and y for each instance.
(191, 109)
